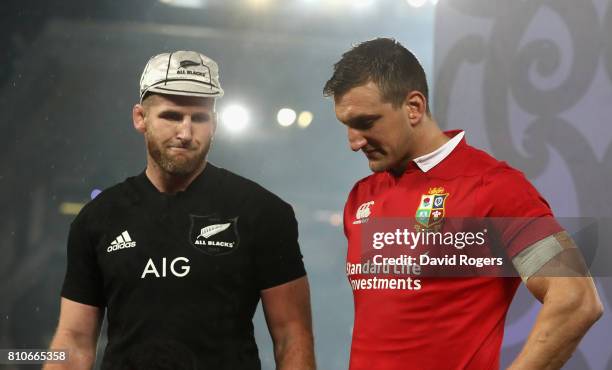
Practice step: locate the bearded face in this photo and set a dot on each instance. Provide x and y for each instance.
(179, 132)
(177, 157)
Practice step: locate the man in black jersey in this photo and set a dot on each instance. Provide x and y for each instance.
(180, 255)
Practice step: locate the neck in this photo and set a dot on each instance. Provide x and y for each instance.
(170, 183)
(428, 137)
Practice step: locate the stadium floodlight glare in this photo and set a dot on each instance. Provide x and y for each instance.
(335, 219)
(286, 117)
(235, 118)
(305, 119)
(362, 4)
(185, 3)
(259, 3)
(416, 3)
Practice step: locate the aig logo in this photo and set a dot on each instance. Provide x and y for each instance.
(179, 267)
(363, 212)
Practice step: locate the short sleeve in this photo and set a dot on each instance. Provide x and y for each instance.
(520, 215)
(278, 258)
(83, 280)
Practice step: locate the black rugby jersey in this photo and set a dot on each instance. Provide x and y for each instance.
(180, 274)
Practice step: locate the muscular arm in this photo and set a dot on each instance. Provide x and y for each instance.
(570, 307)
(287, 311)
(77, 332)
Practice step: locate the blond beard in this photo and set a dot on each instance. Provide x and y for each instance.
(170, 165)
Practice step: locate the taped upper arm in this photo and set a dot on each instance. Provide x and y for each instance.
(554, 256)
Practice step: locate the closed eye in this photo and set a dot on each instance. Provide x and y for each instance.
(171, 116)
(178, 116)
(363, 122)
(200, 118)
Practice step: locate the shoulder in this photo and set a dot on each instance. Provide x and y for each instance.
(493, 172)
(500, 189)
(504, 176)
(365, 190)
(479, 162)
(247, 191)
(506, 192)
(100, 208)
(368, 183)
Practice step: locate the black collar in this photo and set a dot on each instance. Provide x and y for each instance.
(202, 181)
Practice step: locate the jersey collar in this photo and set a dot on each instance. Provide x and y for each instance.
(428, 161)
(197, 184)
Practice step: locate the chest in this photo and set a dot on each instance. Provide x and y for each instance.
(173, 246)
(382, 213)
(426, 201)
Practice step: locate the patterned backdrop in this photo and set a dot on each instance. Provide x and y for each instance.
(531, 82)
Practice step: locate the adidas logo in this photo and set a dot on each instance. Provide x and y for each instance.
(121, 242)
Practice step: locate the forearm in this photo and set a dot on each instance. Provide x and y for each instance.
(559, 327)
(81, 351)
(295, 351)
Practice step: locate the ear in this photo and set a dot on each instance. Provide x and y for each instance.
(138, 118)
(416, 106)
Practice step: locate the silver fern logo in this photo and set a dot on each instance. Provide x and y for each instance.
(208, 231)
(214, 235)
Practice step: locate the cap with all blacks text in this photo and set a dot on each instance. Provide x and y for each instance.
(181, 73)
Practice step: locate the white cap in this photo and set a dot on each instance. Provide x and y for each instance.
(181, 73)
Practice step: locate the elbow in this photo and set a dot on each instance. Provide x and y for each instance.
(587, 310)
(594, 311)
(581, 306)
(592, 308)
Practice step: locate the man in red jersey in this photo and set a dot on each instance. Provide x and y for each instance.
(421, 173)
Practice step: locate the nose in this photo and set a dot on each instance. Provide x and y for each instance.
(184, 129)
(356, 139)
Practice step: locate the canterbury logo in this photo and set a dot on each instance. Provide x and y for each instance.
(211, 230)
(121, 242)
(363, 212)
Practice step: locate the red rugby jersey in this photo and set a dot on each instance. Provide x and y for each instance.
(439, 323)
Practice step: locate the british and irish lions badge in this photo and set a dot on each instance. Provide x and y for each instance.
(430, 213)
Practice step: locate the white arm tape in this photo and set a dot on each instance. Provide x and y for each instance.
(532, 258)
